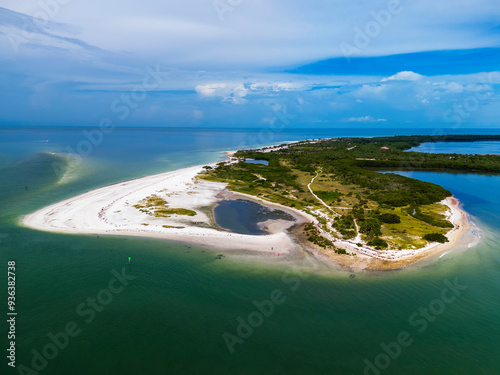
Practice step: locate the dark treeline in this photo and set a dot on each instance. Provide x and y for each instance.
(386, 153)
(416, 140)
(351, 161)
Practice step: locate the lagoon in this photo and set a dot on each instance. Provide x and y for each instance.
(250, 161)
(243, 216)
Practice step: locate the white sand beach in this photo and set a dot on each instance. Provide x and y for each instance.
(110, 211)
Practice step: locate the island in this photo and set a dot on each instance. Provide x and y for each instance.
(345, 198)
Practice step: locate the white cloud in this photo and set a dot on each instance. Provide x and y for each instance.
(404, 76)
(237, 95)
(211, 89)
(365, 119)
(229, 92)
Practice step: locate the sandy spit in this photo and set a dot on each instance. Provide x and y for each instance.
(110, 211)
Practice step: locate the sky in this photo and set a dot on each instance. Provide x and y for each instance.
(250, 63)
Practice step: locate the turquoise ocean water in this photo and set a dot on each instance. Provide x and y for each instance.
(173, 316)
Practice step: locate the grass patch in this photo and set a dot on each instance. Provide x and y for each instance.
(151, 201)
(409, 233)
(166, 212)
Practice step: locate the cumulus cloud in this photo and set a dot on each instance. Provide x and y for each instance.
(235, 92)
(211, 89)
(404, 76)
(228, 92)
(238, 94)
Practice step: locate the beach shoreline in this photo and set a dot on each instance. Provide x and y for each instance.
(112, 210)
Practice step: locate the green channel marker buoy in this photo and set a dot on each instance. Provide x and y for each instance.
(129, 258)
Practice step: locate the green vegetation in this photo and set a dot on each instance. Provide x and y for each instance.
(436, 237)
(370, 227)
(158, 207)
(439, 222)
(328, 196)
(378, 243)
(385, 210)
(166, 212)
(315, 237)
(390, 218)
(345, 225)
(151, 201)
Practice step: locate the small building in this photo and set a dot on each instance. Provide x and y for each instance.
(384, 148)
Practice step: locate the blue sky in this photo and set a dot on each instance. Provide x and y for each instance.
(239, 63)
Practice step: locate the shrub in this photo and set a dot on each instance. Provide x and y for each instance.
(390, 218)
(370, 227)
(436, 237)
(378, 243)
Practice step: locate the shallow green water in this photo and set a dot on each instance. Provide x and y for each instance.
(172, 316)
